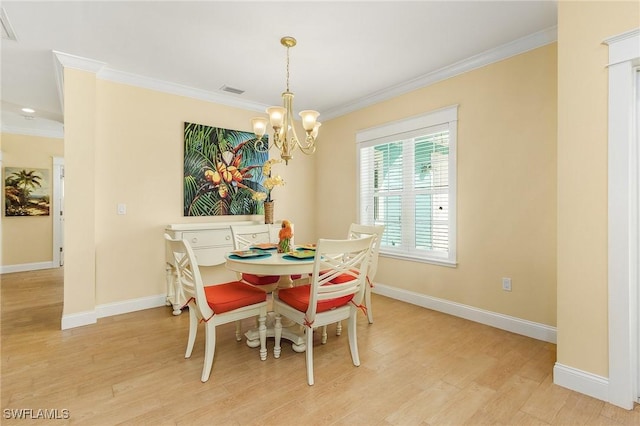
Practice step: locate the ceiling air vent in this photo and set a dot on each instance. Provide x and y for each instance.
(233, 90)
(7, 29)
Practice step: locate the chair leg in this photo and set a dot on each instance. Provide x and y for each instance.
(339, 328)
(353, 338)
(277, 333)
(367, 303)
(262, 331)
(324, 335)
(309, 353)
(193, 330)
(209, 350)
(238, 331)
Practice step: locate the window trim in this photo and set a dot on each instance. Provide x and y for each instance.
(408, 128)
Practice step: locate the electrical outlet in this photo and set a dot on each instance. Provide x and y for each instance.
(506, 284)
(122, 208)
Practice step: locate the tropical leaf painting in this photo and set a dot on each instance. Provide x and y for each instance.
(26, 192)
(222, 172)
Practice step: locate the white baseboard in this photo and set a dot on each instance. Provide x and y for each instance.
(581, 381)
(7, 269)
(504, 322)
(78, 319)
(110, 309)
(132, 305)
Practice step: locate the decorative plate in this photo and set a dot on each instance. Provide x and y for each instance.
(265, 246)
(302, 254)
(249, 253)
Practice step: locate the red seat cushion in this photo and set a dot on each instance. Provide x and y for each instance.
(298, 298)
(343, 278)
(232, 295)
(260, 279)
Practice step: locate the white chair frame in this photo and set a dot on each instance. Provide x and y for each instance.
(188, 273)
(333, 258)
(358, 231)
(244, 236)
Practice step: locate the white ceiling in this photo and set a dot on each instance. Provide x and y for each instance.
(347, 52)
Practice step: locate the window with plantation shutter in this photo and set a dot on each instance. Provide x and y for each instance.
(407, 183)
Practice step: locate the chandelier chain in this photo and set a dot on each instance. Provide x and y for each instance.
(287, 68)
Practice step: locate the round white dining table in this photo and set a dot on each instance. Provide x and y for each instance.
(274, 264)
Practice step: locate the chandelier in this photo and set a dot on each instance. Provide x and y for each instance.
(281, 120)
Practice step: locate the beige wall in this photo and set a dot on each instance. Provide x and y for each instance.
(80, 191)
(27, 240)
(582, 177)
(506, 185)
(138, 160)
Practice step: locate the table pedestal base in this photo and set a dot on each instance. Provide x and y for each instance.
(293, 333)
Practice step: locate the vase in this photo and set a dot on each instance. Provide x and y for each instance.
(268, 212)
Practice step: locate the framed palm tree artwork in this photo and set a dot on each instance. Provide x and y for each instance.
(222, 172)
(26, 192)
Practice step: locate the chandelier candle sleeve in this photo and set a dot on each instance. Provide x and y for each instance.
(281, 120)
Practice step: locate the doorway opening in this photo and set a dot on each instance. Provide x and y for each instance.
(58, 212)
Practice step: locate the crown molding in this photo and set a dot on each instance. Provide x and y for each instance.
(516, 47)
(77, 62)
(29, 131)
(16, 124)
(64, 60)
(177, 89)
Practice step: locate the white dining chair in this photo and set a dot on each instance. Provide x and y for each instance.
(247, 236)
(215, 304)
(358, 231)
(336, 292)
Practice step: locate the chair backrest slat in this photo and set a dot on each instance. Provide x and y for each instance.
(244, 236)
(358, 231)
(344, 261)
(188, 273)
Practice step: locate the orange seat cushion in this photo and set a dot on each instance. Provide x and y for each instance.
(343, 278)
(232, 295)
(298, 298)
(260, 279)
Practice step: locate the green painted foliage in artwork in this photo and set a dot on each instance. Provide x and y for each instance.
(222, 171)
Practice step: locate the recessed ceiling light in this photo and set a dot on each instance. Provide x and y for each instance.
(28, 110)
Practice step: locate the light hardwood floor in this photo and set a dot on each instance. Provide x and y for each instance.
(419, 367)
